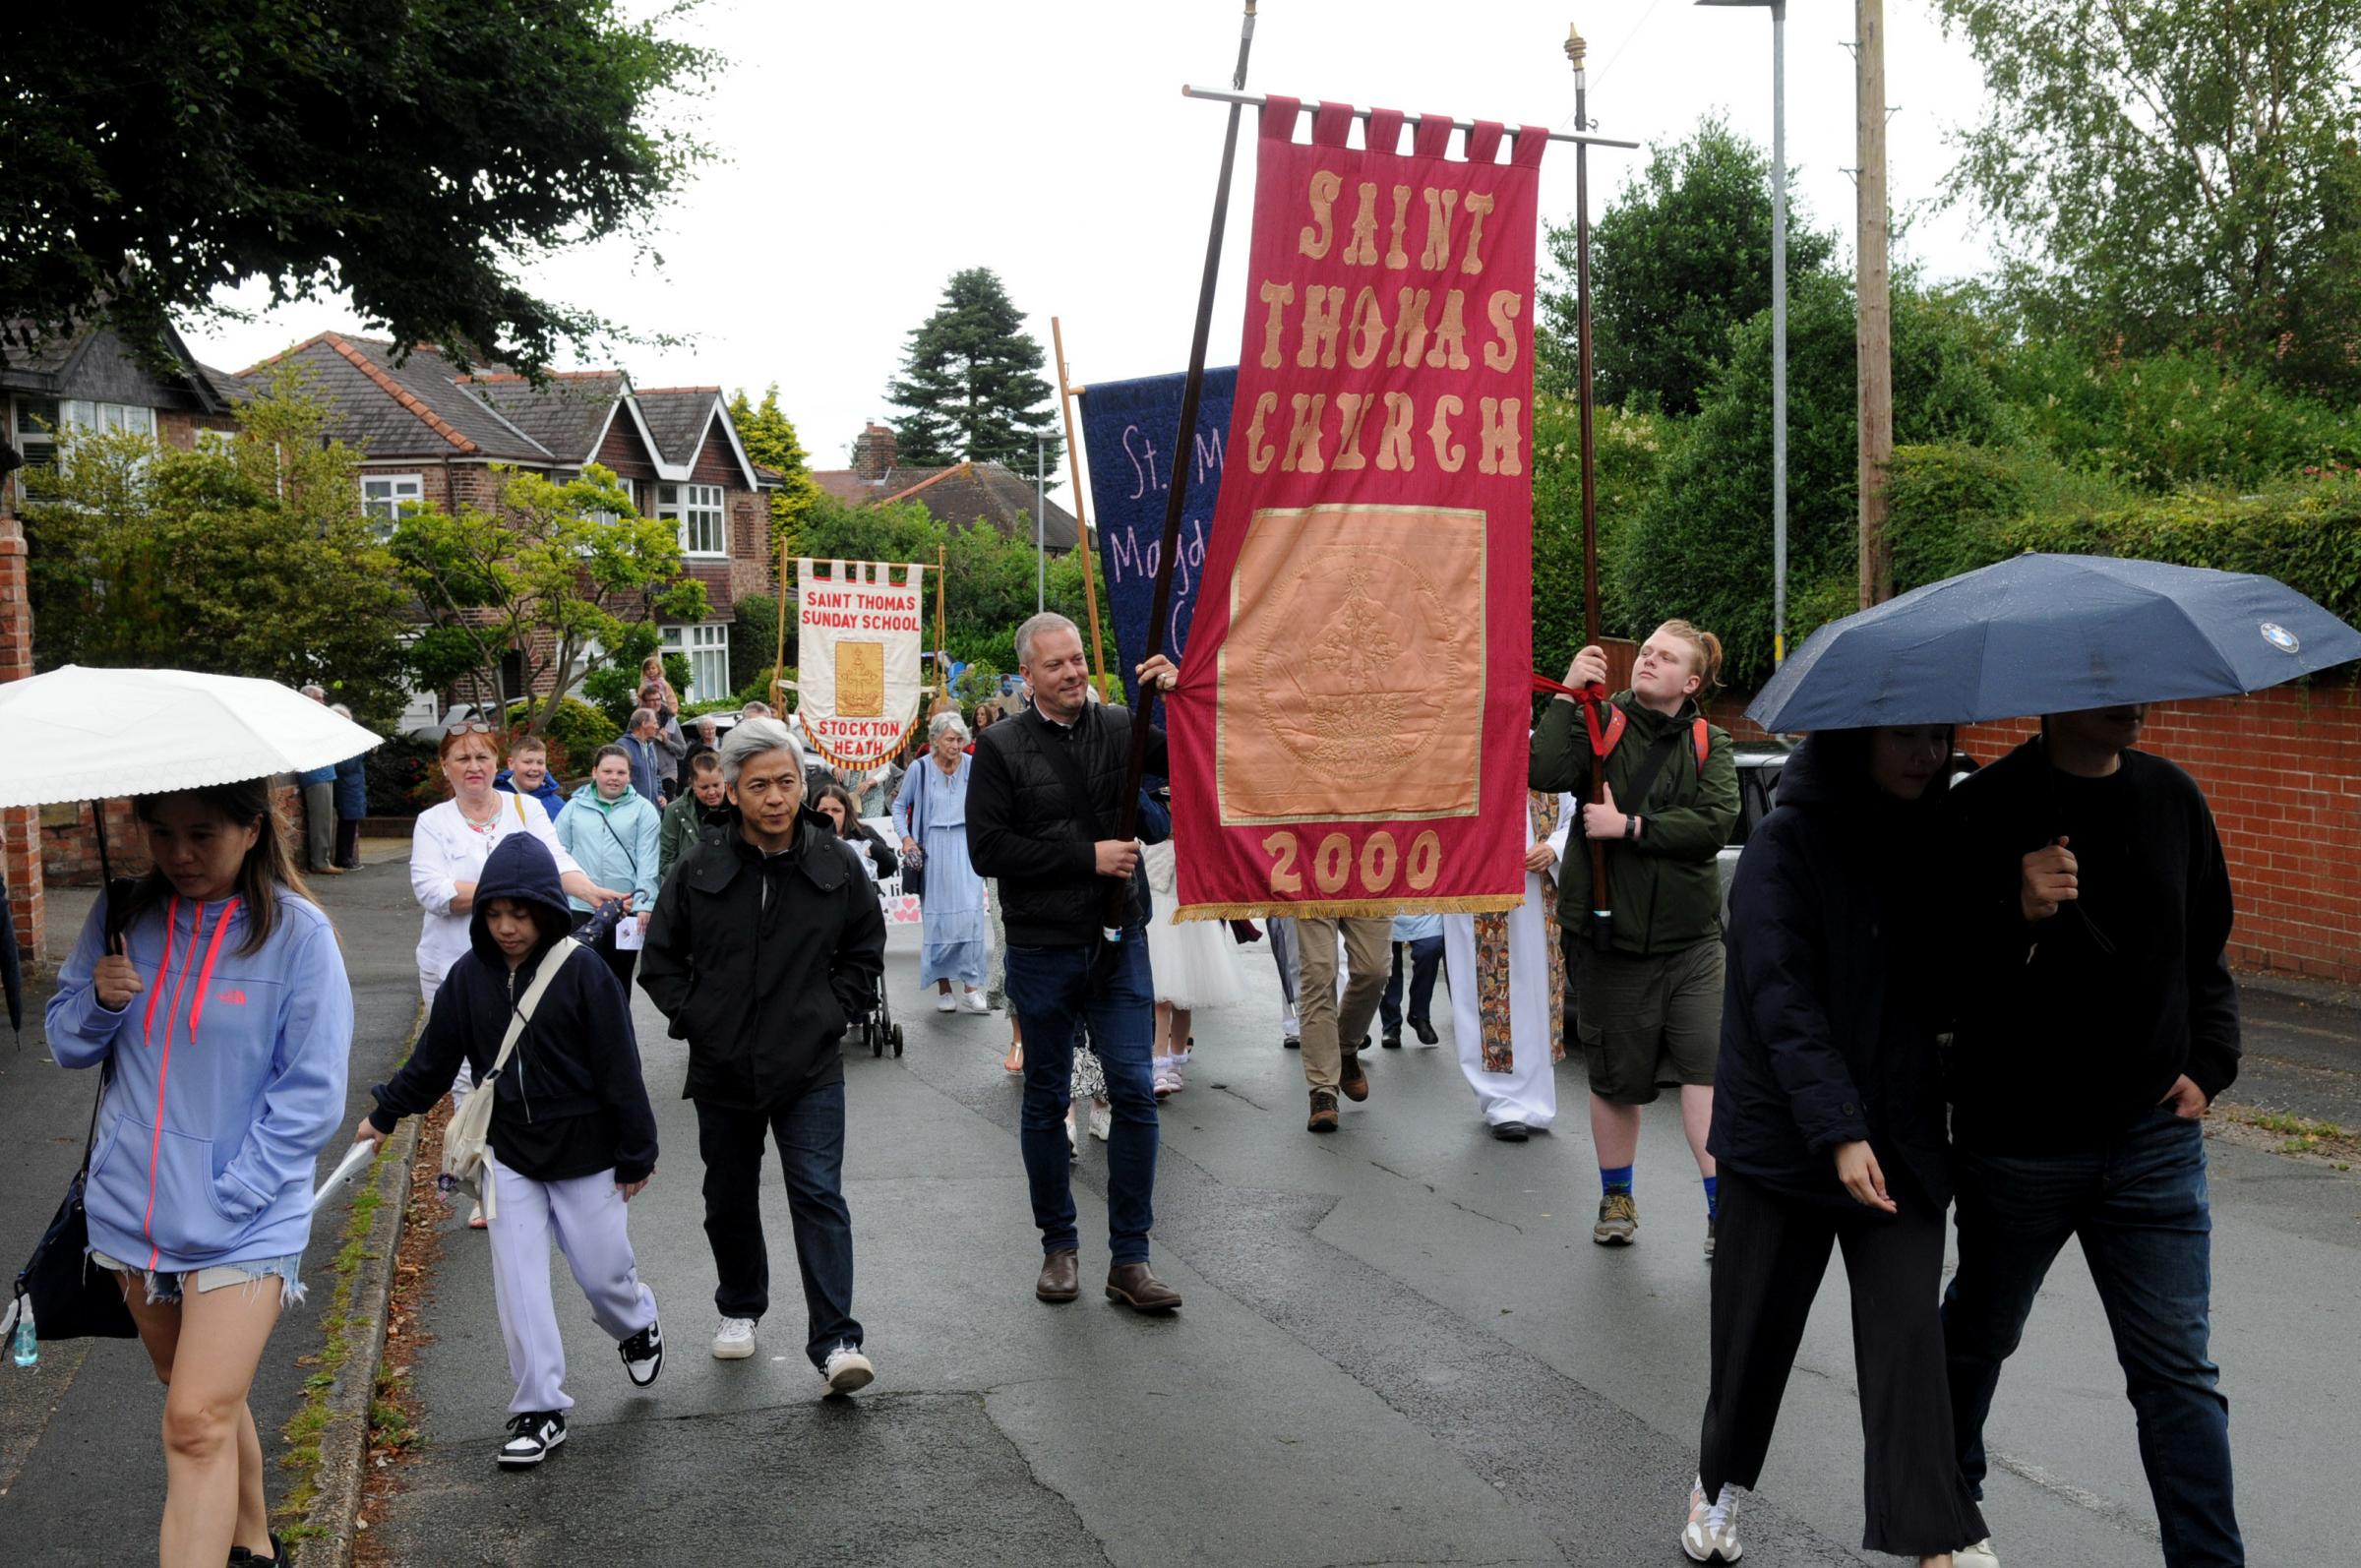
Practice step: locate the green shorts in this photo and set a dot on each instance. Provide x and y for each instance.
(1648, 1023)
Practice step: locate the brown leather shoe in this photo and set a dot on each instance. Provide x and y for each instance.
(1352, 1078)
(1060, 1277)
(1139, 1288)
(1323, 1112)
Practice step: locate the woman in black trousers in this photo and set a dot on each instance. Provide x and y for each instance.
(1829, 1129)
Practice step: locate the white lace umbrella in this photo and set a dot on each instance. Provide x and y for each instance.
(79, 735)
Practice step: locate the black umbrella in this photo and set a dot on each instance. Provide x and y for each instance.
(2052, 634)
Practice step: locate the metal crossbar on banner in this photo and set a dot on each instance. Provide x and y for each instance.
(1314, 105)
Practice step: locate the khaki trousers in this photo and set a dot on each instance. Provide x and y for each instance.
(1327, 1022)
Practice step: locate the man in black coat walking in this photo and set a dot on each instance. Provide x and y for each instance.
(1042, 804)
(2100, 1020)
(767, 940)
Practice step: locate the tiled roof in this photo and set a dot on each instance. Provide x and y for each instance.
(566, 414)
(415, 410)
(96, 362)
(959, 495)
(676, 417)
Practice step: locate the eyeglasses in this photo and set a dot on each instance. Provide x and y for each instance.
(469, 727)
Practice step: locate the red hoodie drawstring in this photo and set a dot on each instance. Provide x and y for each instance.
(163, 1067)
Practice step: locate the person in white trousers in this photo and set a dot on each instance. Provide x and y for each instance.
(572, 1139)
(1511, 1032)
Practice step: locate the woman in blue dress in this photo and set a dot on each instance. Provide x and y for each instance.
(931, 809)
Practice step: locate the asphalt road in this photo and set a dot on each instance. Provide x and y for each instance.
(1399, 1346)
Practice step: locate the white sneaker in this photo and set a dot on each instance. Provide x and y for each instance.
(733, 1341)
(846, 1369)
(973, 1002)
(944, 1003)
(1101, 1121)
(1979, 1556)
(1712, 1533)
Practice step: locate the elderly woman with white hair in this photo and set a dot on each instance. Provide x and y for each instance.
(931, 809)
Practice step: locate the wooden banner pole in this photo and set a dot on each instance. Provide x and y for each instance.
(1073, 463)
(778, 666)
(1160, 604)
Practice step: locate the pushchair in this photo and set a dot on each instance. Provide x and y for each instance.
(877, 1028)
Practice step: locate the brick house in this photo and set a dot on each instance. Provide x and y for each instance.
(962, 494)
(93, 380)
(433, 433)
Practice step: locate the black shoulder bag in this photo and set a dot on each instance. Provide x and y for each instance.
(914, 867)
(67, 1296)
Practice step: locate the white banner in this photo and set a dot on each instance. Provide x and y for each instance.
(857, 638)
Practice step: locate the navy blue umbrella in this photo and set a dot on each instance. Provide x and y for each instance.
(2046, 634)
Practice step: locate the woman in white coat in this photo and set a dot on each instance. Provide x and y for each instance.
(1508, 987)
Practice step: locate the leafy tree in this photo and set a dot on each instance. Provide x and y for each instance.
(1700, 547)
(970, 382)
(250, 558)
(1632, 449)
(1680, 257)
(415, 154)
(552, 572)
(2178, 173)
(770, 440)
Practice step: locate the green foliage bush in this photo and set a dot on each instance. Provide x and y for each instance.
(755, 640)
(575, 733)
(1632, 448)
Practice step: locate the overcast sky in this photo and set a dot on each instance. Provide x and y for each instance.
(871, 150)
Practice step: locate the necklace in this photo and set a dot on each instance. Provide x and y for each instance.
(487, 824)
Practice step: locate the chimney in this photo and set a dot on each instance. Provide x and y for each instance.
(873, 453)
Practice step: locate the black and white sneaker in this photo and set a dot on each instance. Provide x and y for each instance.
(643, 1354)
(532, 1434)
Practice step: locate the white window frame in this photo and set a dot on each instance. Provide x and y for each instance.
(630, 488)
(82, 413)
(706, 645)
(385, 510)
(701, 517)
(211, 439)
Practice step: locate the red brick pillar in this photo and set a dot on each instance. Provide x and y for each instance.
(19, 826)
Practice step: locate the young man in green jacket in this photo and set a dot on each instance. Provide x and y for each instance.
(1648, 987)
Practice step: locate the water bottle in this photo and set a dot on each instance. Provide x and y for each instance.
(24, 1347)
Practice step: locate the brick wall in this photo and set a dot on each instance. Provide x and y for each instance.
(2282, 770)
(19, 826)
(70, 843)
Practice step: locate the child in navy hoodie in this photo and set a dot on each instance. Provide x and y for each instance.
(573, 1137)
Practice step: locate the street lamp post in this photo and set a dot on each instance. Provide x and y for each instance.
(1778, 317)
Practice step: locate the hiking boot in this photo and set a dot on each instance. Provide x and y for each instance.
(643, 1354)
(532, 1434)
(1323, 1112)
(1712, 1533)
(1618, 1222)
(1352, 1078)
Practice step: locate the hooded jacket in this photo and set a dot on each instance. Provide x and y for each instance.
(227, 1081)
(571, 1102)
(685, 821)
(617, 843)
(1666, 891)
(759, 961)
(352, 788)
(551, 796)
(1831, 1006)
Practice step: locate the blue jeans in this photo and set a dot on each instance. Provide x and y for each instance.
(2139, 1210)
(809, 1132)
(1426, 958)
(1055, 993)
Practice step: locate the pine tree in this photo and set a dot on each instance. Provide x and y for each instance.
(770, 440)
(970, 383)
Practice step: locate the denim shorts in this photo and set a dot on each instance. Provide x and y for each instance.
(164, 1286)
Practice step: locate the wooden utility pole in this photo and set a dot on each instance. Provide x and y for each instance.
(1873, 335)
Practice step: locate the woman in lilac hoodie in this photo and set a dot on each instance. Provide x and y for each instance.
(224, 1019)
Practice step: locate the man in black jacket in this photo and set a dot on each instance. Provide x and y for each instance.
(1042, 804)
(768, 939)
(2099, 1022)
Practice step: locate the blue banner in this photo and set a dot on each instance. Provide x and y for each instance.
(1127, 431)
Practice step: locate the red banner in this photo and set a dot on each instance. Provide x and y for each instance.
(1349, 732)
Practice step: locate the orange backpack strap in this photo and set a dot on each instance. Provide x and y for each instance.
(1702, 733)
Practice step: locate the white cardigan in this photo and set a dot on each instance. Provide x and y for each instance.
(445, 851)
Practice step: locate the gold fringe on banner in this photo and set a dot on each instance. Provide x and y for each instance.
(837, 759)
(1354, 908)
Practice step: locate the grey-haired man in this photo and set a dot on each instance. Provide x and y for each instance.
(768, 939)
